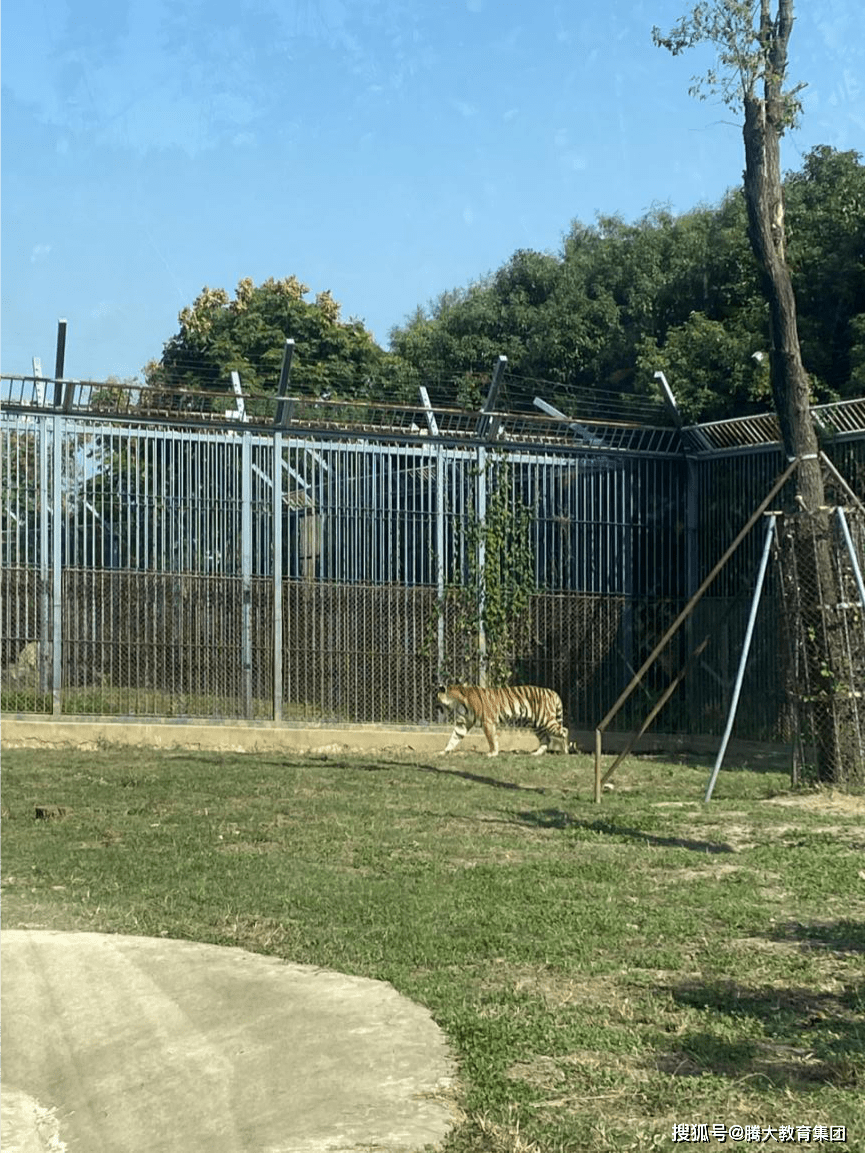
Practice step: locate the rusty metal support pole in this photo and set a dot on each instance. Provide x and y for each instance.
(834, 472)
(690, 605)
(597, 792)
(655, 710)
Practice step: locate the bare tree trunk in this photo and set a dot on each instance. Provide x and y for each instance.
(765, 121)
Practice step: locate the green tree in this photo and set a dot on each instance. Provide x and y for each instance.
(824, 206)
(451, 344)
(719, 369)
(752, 62)
(247, 334)
(591, 316)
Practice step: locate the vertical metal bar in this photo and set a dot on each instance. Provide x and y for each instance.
(246, 575)
(239, 396)
(432, 426)
(483, 427)
(744, 655)
(44, 514)
(282, 412)
(440, 560)
(481, 521)
(56, 563)
(852, 553)
(59, 363)
(146, 498)
(692, 525)
(277, 573)
(691, 564)
(39, 389)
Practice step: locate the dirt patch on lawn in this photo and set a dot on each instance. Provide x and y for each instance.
(828, 801)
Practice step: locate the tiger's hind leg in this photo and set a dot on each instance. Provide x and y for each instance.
(492, 739)
(551, 742)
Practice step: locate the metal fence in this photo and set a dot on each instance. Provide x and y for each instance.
(178, 564)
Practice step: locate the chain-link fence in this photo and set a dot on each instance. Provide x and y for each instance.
(301, 575)
(821, 596)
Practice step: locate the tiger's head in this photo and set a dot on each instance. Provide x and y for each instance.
(464, 699)
(445, 695)
(457, 696)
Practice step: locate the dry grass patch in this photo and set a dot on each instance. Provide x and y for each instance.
(825, 801)
(711, 871)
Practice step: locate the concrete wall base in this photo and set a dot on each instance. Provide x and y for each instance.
(87, 733)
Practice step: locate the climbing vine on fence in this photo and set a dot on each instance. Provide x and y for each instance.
(485, 605)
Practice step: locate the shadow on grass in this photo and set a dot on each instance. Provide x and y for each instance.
(772, 761)
(330, 760)
(494, 782)
(807, 1036)
(556, 819)
(845, 936)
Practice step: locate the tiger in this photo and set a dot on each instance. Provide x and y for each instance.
(521, 705)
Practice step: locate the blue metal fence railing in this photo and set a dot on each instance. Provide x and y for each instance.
(207, 562)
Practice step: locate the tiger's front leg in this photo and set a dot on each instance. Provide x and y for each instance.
(492, 739)
(456, 737)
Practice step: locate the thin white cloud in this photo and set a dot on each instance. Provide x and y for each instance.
(465, 109)
(103, 309)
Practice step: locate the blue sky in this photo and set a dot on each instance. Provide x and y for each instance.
(387, 150)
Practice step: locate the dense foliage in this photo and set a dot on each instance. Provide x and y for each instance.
(617, 303)
(247, 335)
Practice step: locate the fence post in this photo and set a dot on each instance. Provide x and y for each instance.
(56, 566)
(277, 494)
(59, 363)
(45, 678)
(484, 428)
(440, 562)
(692, 543)
(481, 516)
(246, 573)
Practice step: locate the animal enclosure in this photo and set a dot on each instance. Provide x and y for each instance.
(293, 566)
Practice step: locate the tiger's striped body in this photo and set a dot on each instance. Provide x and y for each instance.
(538, 708)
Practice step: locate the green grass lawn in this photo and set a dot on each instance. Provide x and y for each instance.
(602, 972)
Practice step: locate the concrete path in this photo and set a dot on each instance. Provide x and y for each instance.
(135, 1045)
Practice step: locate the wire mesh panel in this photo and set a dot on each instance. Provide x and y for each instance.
(163, 644)
(26, 477)
(573, 643)
(357, 652)
(821, 560)
(25, 653)
(156, 570)
(359, 512)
